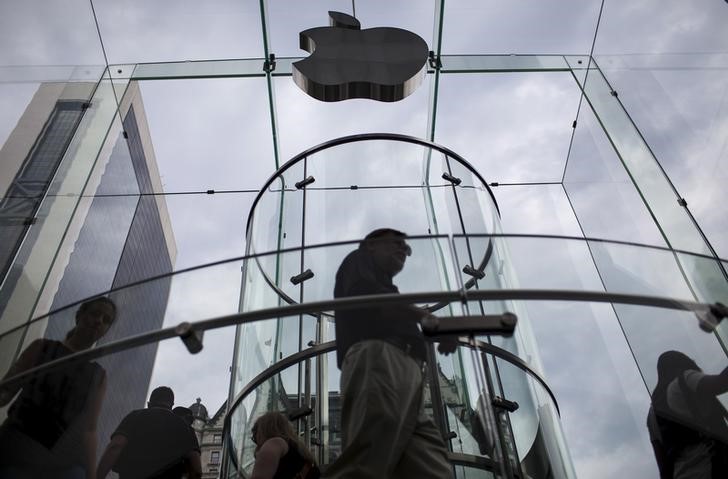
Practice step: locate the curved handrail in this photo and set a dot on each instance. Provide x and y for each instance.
(329, 346)
(358, 302)
(188, 270)
(362, 137)
(150, 279)
(353, 139)
(324, 348)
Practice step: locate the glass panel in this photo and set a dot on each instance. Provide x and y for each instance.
(208, 228)
(494, 63)
(276, 394)
(213, 68)
(399, 208)
(428, 269)
(454, 205)
(33, 265)
(595, 177)
(202, 137)
(460, 396)
(515, 128)
(642, 167)
(537, 209)
(297, 132)
(261, 339)
(29, 74)
(590, 368)
(687, 94)
(376, 163)
(578, 330)
(535, 425)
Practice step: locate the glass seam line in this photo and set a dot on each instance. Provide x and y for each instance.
(312, 188)
(319, 188)
(106, 60)
(583, 91)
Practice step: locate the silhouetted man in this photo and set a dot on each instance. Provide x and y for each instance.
(687, 421)
(152, 443)
(381, 353)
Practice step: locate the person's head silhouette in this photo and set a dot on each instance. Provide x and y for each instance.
(387, 249)
(162, 397)
(669, 366)
(93, 320)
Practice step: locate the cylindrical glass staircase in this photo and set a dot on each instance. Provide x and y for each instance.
(334, 195)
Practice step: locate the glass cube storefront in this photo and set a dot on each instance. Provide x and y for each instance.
(563, 162)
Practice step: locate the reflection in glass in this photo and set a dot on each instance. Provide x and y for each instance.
(518, 126)
(686, 421)
(50, 428)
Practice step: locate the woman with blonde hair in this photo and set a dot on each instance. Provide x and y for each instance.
(279, 453)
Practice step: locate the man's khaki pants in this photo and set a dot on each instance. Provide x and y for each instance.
(385, 431)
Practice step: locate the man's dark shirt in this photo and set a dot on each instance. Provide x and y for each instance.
(357, 276)
(157, 441)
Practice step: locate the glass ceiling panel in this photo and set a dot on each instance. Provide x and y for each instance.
(136, 31)
(208, 228)
(48, 32)
(472, 63)
(654, 27)
(536, 209)
(493, 26)
(513, 127)
(286, 19)
(203, 135)
(304, 122)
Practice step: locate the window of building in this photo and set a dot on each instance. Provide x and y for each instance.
(217, 438)
(215, 457)
(21, 201)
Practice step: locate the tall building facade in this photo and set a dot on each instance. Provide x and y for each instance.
(111, 242)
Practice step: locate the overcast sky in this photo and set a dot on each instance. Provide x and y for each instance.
(667, 60)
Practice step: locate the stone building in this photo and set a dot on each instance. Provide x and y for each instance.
(209, 434)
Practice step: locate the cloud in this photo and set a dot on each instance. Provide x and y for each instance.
(514, 127)
(39, 33)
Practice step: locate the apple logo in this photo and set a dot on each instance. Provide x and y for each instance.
(384, 63)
